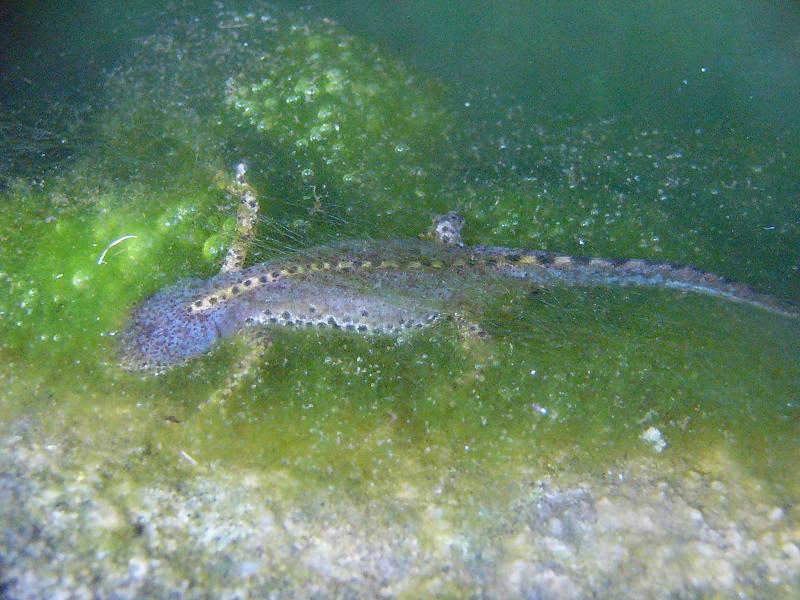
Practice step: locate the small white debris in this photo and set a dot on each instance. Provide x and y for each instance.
(186, 456)
(653, 436)
(100, 259)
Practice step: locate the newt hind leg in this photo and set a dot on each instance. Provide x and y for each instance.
(255, 343)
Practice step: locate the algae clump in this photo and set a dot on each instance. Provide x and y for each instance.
(354, 122)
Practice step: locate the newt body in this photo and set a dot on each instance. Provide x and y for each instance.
(373, 287)
(386, 288)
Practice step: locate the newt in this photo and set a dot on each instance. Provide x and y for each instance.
(388, 288)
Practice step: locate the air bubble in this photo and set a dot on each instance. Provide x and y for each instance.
(80, 279)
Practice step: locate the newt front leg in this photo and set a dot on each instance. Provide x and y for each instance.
(256, 342)
(246, 219)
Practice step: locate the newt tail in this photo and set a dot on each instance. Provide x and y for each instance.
(547, 268)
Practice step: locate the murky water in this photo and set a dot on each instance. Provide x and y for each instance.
(587, 131)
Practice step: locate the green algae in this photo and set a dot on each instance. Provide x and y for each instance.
(357, 124)
(569, 379)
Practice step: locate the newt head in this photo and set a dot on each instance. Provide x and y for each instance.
(162, 333)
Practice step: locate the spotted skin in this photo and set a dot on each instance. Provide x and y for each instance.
(168, 329)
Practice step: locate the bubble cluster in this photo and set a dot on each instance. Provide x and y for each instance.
(339, 105)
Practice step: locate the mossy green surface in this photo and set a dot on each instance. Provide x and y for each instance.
(342, 141)
(357, 124)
